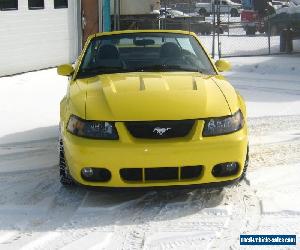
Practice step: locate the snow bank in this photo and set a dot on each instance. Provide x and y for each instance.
(281, 65)
(30, 101)
(292, 9)
(278, 188)
(269, 84)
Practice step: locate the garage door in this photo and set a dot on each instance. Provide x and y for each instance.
(36, 34)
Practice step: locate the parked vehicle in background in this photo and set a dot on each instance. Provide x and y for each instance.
(252, 22)
(205, 8)
(286, 23)
(278, 4)
(184, 7)
(170, 13)
(136, 14)
(255, 15)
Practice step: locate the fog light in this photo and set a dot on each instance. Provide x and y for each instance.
(96, 174)
(231, 167)
(225, 169)
(87, 172)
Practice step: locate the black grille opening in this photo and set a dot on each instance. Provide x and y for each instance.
(132, 174)
(191, 172)
(161, 174)
(160, 129)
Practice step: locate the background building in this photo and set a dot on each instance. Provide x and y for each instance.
(37, 34)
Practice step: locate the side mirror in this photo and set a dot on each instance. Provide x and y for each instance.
(223, 65)
(65, 70)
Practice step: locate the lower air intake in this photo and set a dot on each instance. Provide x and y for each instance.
(161, 174)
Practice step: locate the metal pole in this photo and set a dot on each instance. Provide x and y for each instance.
(118, 14)
(228, 12)
(219, 28)
(189, 16)
(214, 29)
(79, 27)
(100, 14)
(106, 15)
(269, 34)
(165, 24)
(115, 14)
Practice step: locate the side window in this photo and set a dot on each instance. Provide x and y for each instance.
(224, 3)
(8, 4)
(60, 4)
(36, 4)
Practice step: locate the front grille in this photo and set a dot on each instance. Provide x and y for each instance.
(161, 174)
(160, 129)
(132, 174)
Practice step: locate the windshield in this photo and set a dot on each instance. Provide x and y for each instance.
(147, 52)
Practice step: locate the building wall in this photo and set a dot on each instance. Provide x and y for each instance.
(37, 39)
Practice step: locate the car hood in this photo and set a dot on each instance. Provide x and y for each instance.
(156, 96)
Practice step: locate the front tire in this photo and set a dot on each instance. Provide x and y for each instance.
(245, 166)
(65, 178)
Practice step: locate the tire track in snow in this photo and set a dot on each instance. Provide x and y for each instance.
(197, 221)
(190, 209)
(96, 219)
(245, 217)
(285, 151)
(35, 223)
(135, 234)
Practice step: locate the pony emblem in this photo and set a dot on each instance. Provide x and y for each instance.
(160, 131)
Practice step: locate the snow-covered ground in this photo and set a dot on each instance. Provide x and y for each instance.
(37, 213)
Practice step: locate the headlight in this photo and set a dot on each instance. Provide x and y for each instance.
(92, 129)
(223, 125)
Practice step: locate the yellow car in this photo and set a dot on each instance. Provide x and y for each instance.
(150, 109)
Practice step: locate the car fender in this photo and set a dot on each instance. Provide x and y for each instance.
(73, 103)
(229, 93)
(242, 104)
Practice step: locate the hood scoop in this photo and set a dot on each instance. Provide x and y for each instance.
(163, 84)
(142, 84)
(195, 87)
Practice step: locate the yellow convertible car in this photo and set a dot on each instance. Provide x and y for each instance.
(150, 109)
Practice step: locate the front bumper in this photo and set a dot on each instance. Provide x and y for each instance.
(129, 152)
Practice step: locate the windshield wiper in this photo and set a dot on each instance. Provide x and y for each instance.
(164, 67)
(101, 70)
